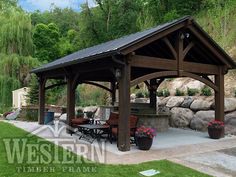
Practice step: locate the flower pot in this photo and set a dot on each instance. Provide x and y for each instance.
(144, 143)
(215, 133)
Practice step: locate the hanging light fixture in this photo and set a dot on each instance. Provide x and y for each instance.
(118, 73)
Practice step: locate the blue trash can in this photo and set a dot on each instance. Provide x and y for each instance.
(48, 117)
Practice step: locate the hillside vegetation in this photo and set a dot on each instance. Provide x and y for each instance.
(220, 23)
(28, 40)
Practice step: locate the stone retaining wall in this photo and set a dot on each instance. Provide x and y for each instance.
(196, 112)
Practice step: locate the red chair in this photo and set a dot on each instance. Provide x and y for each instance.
(113, 123)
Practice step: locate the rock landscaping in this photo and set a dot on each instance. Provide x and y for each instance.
(196, 111)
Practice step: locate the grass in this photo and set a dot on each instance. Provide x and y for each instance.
(167, 169)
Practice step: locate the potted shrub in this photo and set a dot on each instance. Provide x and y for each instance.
(216, 129)
(144, 137)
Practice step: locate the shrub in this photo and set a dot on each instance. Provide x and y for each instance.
(235, 93)
(178, 92)
(206, 91)
(139, 94)
(192, 91)
(31, 114)
(146, 94)
(166, 92)
(160, 93)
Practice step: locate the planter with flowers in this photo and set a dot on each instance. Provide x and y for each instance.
(216, 129)
(144, 137)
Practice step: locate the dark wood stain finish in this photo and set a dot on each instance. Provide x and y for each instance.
(176, 49)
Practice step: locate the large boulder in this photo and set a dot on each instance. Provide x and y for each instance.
(229, 129)
(230, 119)
(180, 117)
(230, 104)
(174, 101)
(201, 120)
(200, 104)
(163, 101)
(187, 102)
(163, 109)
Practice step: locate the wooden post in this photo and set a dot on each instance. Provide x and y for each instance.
(124, 109)
(179, 45)
(153, 94)
(113, 93)
(219, 96)
(42, 82)
(70, 101)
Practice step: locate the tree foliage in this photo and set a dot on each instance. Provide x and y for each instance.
(52, 34)
(16, 48)
(16, 33)
(46, 38)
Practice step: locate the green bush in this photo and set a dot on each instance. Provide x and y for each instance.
(178, 92)
(192, 91)
(139, 94)
(160, 93)
(235, 93)
(146, 94)
(164, 92)
(31, 114)
(206, 91)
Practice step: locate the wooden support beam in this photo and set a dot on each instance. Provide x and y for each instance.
(154, 37)
(124, 109)
(153, 75)
(173, 51)
(113, 93)
(153, 93)
(173, 73)
(179, 49)
(70, 101)
(97, 85)
(200, 68)
(207, 78)
(187, 49)
(42, 83)
(153, 62)
(199, 78)
(147, 84)
(55, 85)
(219, 96)
(167, 64)
(208, 45)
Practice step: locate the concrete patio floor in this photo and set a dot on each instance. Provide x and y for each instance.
(187, 147)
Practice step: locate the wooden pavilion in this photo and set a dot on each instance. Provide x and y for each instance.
(180, 48)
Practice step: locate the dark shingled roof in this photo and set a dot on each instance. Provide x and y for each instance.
(109, 48)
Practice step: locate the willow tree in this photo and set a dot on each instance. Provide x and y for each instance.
(16, 33)
(16, 48)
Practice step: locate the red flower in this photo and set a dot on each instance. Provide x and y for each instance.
(145, 132)
(216, 124)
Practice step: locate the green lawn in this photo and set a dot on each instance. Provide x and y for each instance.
(167, 169)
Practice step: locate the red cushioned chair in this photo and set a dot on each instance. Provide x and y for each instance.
(78, 121)
(113, 123)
